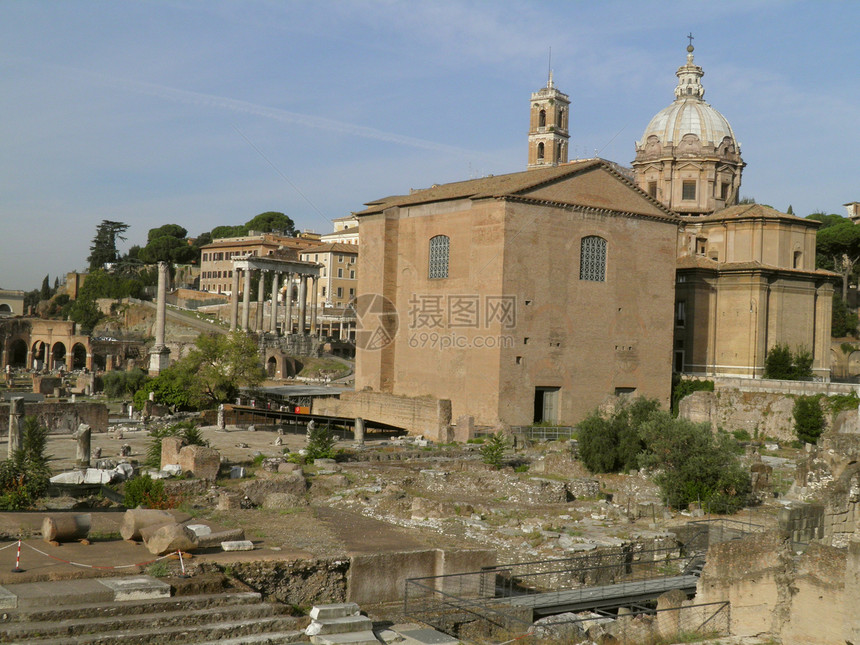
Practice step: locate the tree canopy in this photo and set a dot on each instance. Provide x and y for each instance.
(103, 247)
(268, 222)
(168, 243)
(211, 373)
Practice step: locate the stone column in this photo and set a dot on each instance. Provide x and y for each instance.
(16, 424)
(82, 454)
(261, 294)
(159, 355)
(246, 300)
(303, 305)
(359, 431)
(313, 281)
(273, 319)
(234, 300)
(221, 424)
(288, 316)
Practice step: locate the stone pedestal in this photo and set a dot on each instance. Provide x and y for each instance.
(359, 431)
(159, 359)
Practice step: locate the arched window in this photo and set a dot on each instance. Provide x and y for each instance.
(592, 259)
(540, 150)
(438, 265)
(542, 119)
(560, 118)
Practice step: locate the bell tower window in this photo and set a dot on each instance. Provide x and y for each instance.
(542, 119)
(540, 150)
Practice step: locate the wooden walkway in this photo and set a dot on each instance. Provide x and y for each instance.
(618, 594)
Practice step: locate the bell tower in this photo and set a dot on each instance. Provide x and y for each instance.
(548, 134)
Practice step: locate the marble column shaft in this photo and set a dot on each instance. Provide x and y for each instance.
(246, 300)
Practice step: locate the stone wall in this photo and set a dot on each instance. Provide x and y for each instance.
(61, 418)
(775, 386)
(381, 577)
(426, 416)
(808, 598)
(762, 414)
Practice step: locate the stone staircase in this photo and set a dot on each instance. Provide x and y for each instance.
(343, 624)
(136, 611)
(340, 624)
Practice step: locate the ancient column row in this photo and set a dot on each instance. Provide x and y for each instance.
(307, 286)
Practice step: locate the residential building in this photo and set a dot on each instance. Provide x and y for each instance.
(338, 275)
(345, 231)
(216, 268)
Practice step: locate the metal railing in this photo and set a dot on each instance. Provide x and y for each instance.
(544, 433)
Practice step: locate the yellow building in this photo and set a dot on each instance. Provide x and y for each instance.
(746, 273)
(338, 276)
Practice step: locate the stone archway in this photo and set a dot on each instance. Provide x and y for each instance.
(272, 367)
(40, 355)
(58, 356)
(79, 356)
(5, 309)
(18, 353)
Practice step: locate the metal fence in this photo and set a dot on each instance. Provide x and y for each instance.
(544, 433)
(465, 608)
(508, 596)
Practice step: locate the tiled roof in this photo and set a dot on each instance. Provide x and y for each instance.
(591, 183)
(750, 211)
(334, 247)
(702, 262)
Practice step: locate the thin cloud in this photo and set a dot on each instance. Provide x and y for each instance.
(283, 116)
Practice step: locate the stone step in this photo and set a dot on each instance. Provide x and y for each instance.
(334, 610)
(88, 590)
(107, 609)
(267, 638)
(354, 638)
(339, 625)
(182, 617)
(217, 632)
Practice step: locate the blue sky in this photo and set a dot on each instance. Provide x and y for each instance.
(207, 113)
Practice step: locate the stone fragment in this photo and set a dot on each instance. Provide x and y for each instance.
(174, 470)
(135, 519)
(228, 501)
(282, 501)
(287, 467)
(237, 472)
(171, 537)
(238, 545)
(216, 538)
(66, 527)
(199, 530)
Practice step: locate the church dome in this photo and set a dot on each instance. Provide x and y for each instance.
(689, 114)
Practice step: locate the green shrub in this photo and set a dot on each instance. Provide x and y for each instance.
(24, 478)
(741, 435)
(144, 491)
(320, 444)
(808, 418)
(118, 384)
(493, 450)
(694, 465)
(782, 363)
(613, 444)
